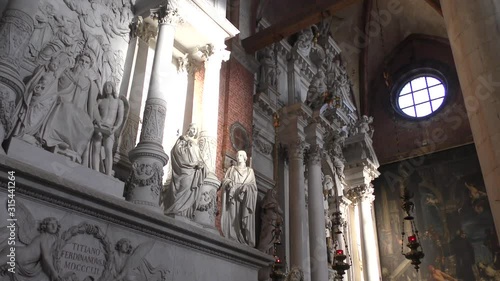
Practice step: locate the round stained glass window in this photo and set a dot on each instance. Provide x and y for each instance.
(421, 96)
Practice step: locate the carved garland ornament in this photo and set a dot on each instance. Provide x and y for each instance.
(144, 175)
(88, 229)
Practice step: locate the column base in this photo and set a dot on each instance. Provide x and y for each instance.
(145, 182)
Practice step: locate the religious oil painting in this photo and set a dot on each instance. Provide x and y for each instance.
(452, 215)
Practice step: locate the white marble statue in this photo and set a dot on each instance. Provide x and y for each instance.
(238, 202)
(268, 74)
(271, 222)
(69, 128)
(188, 173)
(304, 42)
(334, 148)
(317, 90)
(363, 125)
(108, 125)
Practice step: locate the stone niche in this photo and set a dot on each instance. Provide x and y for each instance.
(87, 235)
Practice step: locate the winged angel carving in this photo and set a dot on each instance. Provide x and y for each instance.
(33, 247)
(39, 242)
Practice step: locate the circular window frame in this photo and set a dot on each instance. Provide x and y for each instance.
(414, 73)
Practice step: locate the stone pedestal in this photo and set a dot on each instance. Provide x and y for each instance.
(206, 203)
(63, 169)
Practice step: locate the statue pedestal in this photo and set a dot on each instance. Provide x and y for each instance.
(63, 168)
(206, 210)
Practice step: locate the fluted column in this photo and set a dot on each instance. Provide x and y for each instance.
(474, 36)
(210, 103)
(316, 211)
(148, 157)
(363, 195)
(298, 230)
(16, 27)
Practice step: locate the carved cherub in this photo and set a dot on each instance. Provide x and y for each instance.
(37, 249)
(127, 260)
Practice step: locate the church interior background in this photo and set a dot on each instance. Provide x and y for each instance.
(249, 140)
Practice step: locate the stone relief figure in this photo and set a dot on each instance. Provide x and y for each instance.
(38, 101)
(295, 274)
(70, 127)
(64, 42)
(268, 68)
(130, 264)
(47, 23)
(271, 222)
(108, 124)
(317, 89)
(34, 259)
(188, 173)
(239, 198)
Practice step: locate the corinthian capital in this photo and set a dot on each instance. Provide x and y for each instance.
(297, 149)
(362, 193)
(166, 14)
(314, 154)
(210, 52)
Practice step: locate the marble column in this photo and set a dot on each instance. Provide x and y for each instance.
(298, 230)
(205, 213)
(363, 195)
(16, 27)
(316, 211)
(132, 87)
(213, 57)
(148, 157)
(474, 36)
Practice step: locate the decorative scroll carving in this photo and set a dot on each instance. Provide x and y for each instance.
(167, 15)
(154, 121)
